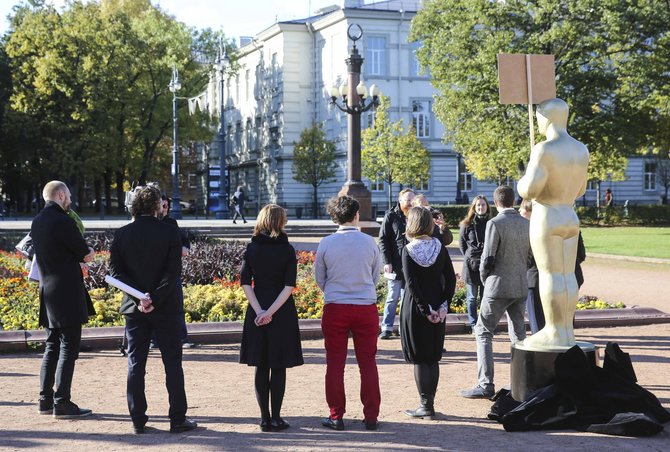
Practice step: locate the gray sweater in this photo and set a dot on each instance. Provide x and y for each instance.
(347, 267)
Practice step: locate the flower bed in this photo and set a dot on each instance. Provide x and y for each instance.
(211, 289)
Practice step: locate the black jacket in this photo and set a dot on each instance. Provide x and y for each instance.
(185, 239)
(59, 248)
(471, 238)
(146, 255)
(392, 239)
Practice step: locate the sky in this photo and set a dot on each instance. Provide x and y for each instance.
(235, 17)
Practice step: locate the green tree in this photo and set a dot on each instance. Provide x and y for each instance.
(94, 79)
(392, 156)
(590, 41)
(314, 161)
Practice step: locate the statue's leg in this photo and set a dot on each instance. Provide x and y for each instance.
(547, 235)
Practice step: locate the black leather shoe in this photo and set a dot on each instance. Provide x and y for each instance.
(279, 424)
(184, 426)
(138, 429)
(265, 426)
(370, 425)
(335, 424)
(45, 406)
(69, 410)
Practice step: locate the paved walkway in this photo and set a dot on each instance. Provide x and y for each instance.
(221, 399)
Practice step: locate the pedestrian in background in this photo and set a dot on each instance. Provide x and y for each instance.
(238, 202)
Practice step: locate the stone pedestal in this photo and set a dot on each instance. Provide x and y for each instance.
(532, 369)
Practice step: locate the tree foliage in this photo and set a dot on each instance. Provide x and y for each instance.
(600, 49)
(391, 154)
(92, 80)
(314, 160)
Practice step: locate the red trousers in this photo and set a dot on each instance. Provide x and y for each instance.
(363, 322)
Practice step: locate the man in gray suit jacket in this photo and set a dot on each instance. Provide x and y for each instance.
(503, 267)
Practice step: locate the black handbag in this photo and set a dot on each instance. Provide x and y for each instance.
(25, 247)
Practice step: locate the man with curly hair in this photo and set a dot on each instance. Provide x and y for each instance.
(146, 255)
(347, 268)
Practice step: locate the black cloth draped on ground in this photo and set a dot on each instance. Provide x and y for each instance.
(586, 397)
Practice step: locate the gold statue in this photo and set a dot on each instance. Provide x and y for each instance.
(555, 177)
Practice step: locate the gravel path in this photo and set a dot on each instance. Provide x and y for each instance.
(221, 399)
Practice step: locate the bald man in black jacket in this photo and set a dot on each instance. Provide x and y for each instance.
(64, 302)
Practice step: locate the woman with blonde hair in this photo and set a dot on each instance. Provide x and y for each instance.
(430, 283)
(471, 243)
(270, 336)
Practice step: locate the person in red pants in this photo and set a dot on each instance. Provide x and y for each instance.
(347, 268)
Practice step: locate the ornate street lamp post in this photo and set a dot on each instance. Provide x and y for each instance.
(222, 210)
(174, 86)
(354, 97)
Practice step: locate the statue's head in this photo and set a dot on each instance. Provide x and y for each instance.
(552, 111)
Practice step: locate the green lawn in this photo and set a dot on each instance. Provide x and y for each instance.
(641, 242)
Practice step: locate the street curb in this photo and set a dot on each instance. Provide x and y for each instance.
(616, 257)
(231, 332)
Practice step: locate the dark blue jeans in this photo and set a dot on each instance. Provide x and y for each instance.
(61, 350)
(165, 327)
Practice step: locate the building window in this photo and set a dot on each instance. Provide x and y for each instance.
(238, 136)
(249, 132)
(414, 67)
(247, 86)
(464, 177)
(274, 70)
(592, 185)
(377, 184)
(650, 176)
(257, 133)
(421, 118)
(192, 180)
(423, 185)
(375, 60)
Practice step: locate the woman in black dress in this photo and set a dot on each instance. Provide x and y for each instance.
(429, 285)
(271, 337)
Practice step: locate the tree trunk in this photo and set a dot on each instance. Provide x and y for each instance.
(598, 194)
(315, 203)
(107, 204)
(120, 195)
(390, 192)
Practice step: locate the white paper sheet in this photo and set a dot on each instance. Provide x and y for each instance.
(123, 286)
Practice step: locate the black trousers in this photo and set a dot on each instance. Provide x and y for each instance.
(61, 350)
(165, 327)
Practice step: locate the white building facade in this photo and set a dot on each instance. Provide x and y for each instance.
(282, 86)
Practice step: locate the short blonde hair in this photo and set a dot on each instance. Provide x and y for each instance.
(419, 201)
(51, 189)
(419, 222)
(270, 221)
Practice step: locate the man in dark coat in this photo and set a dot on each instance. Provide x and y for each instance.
(391, 242)
(64, 303)
(146, 255)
